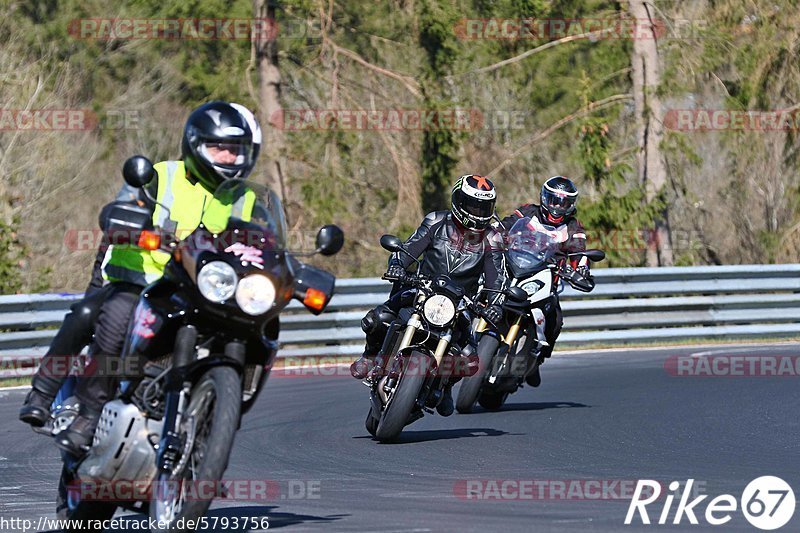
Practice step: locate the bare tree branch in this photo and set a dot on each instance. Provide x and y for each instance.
(529, 53)
(594, 106)
(408, 82)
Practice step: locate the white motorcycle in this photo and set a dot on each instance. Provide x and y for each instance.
(511, 351)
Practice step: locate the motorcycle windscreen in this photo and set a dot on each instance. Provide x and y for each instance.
(243, 203)
(531, 245)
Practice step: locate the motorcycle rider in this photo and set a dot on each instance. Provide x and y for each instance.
(557, 208)
(219, 143)
(459, 243)
(78, 326)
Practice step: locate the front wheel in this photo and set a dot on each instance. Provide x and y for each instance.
(471, 386)
(401, 403)
(371, 423)
(210, 422)
(492, 401)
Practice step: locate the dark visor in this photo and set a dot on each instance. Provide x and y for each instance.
(477, 207)
(558, 204)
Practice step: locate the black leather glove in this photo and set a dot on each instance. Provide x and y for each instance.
(395, 272)
(580, 279)
(493, 314)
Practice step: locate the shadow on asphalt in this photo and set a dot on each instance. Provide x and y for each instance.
(276, 520)
(407, 437)
(529, 406)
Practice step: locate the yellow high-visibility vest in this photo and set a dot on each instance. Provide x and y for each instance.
(189, 204)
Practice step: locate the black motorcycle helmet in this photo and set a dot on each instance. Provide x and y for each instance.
(254, 128)
(558, 198)
(217, 126)
(472, 202)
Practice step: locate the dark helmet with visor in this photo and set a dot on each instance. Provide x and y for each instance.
(217, 144)
(473, 201)
(558, 198)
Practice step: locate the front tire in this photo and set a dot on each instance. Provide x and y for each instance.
(371, 423)
(215, 404)
(492, 401)
(471, 386)
(396, 413)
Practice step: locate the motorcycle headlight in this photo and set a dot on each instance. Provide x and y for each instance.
(439, 310)
(255, 294)
(217, 281)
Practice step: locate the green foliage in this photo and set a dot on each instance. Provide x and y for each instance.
(439, 149)
(436, 36)
(744, 57)
(12, 257)
(439, 154)
(615, 219)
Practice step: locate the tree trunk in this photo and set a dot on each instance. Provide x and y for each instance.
(269, 99)
(652, 169)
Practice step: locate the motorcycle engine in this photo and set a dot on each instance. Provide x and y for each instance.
(123, 445)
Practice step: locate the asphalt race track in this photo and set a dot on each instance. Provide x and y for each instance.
(614, 416)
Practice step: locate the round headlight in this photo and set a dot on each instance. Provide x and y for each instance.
(439, 310)
(255, 294)
(217, 281)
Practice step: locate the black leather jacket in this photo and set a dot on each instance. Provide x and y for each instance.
(447, 248)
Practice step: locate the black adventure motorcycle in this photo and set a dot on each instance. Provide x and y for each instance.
(426, 345)
(535, 280)
(199, 349)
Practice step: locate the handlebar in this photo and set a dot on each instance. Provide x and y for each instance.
(413, 280)
(423, 283)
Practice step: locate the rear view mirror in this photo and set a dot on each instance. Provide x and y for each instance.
(138, 171)
(330, 239)
(593, 255)
(391, 243)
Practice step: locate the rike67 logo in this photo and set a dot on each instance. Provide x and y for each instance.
(767, 502)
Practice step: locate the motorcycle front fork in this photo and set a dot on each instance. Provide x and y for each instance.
(508, 341)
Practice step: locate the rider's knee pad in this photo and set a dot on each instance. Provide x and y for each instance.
(83, 315)
(376, 319)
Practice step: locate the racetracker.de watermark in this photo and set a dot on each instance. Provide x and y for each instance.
(545, 489)
(380, 119)
(246, 522)
(733, 366)
(313, 366)
(706, 120)
(191, 29)
(68, 120)
(81, 240)
(60, 366)
(197, 490)
(593, 29)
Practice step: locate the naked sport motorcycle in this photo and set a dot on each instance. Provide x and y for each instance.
(423, 348)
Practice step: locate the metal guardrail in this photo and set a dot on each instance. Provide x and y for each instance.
(629, 305)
